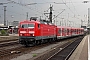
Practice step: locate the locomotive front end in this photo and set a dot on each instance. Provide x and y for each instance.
(26, 33)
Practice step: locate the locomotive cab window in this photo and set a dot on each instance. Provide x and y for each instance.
(23, 25)
(38, 25)
(30, 25)
(27, 25)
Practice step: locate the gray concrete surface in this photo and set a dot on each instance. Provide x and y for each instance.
(81, 52)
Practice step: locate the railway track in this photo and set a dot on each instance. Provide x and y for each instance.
(18, 50)
(8, 43)
(8, 40)
(7, 50)
(66, 52)
(6, 46)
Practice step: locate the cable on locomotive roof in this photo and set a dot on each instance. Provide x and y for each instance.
(45, 22)
(33, 18)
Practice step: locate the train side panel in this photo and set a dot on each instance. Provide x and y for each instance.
(32, 32)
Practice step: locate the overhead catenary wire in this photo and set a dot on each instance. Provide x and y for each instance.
(71, 10)
(31, 4)
(15, 12)
(74, 8)
(26, 6)
(68, 7)
(10, 11)
(58, 14)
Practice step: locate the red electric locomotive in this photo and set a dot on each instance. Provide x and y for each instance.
(35, 32)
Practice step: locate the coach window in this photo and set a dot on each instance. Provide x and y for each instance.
(71, 30)
(59, 31)
(75, 31)
(64, 30)
(67, 30)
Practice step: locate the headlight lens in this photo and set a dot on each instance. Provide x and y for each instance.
(33, 34)
(20, 34)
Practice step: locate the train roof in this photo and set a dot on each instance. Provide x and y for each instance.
(63, 27)
(69, 27)
(37, 21)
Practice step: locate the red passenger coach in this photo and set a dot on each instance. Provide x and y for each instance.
(63, 32)
(68, 31)
(59, 32)
(35, 32)
(81, 31)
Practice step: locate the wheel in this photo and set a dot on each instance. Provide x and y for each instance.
(30, 44)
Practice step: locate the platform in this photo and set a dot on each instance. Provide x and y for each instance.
(13, 34)
(82, 51)
(10, 37)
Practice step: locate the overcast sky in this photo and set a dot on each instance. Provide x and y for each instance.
(73, 10)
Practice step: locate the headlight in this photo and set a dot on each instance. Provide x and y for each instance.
(33, 34)
(20, 34)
